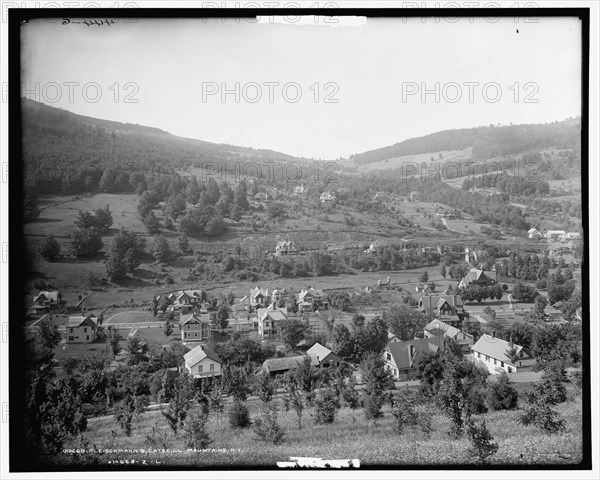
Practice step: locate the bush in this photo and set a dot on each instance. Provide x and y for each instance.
(50, 249)
(239, 416)
(501, 395)
(327, 405)
(267, 429)
(372, 404)
(195, 432)
(403, 410)
(542, 416)
(550, 389)
(483, 443)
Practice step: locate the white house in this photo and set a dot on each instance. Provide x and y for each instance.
(203, 362)
(194, 328)
(325, 356)
(493, 353)
(81, 329)
(534, 233)
(269, 319)
(554, 234)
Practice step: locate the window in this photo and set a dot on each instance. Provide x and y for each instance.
(487, 358)
(389, 356)
(84, 329)
(501, 364)
(195, 334)
(200, 368)
(509, 370)
(212, 367)
(71, 338)
(87, 337)
(521, 354)
(495, 362)
(478, 355)
(70, 330)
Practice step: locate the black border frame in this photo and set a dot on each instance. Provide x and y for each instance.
(17, 453)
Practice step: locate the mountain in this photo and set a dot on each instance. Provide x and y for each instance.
(485, 142)
(59, 145)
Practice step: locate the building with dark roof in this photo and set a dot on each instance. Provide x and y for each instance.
(401, 358)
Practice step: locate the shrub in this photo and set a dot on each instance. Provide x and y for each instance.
(372, 404)
(483, 443)
(542, 416)
(239, 416)
(327, 405)
(50, 249)
(267, 429)
(475, 402)
(195, 432)
(501, 395)
(404, 410)
(550, 389)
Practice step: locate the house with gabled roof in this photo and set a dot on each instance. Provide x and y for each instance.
(48, 298)
(259, 296)
(195, 328)
(269, 319)
(534, 233)
(479, 277)
(278, 366)
(392, 338)
(414, 196)
(448, 308)
(439, 330)
(203, 362)
(493, 353)
(81, 329)
(195, 297)
(325, 356)
(280, 295)
(314, 297)
(401, 358)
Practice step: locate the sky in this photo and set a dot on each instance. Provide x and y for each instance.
(304, 88)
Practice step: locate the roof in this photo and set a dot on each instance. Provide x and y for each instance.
(401, 355)
(532, 230)
(287, 363)
(52, 296)
(391, 336)
(476, 274)
(319, 351)
(78, 320)
(254, 292)
(198, 354)
(271, 314)
(494, 347)
(311, 291)
(436, 327)
(193, 293)
(431, 302)
(193, 318)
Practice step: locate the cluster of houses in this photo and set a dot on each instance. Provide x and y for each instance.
(496, 355)
(449, 213)
(553, 235)
(202, 362)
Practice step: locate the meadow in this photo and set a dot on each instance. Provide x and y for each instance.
(373, 443)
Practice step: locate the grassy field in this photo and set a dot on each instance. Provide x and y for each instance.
(372, 443)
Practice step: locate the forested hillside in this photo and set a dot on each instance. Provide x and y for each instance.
(487, 142)
(69, 153)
